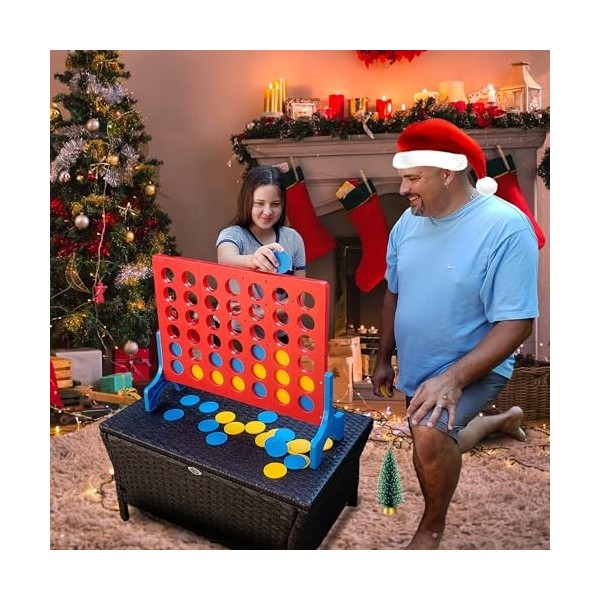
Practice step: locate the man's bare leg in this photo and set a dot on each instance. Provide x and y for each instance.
(437, 460)
(508, 422)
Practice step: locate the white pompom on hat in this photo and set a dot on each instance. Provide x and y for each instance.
(439, 143)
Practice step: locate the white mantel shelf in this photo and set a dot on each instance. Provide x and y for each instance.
(326, 162)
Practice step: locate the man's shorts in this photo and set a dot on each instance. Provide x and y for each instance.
(475, 397)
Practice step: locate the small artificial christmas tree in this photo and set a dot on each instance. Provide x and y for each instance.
(389, 486)
(105, 223)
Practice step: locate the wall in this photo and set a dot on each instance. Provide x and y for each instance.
(193, 101)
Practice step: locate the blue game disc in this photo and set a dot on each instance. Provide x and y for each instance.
(208, 425)
(275, 447)
(285, 434)
(295, 462)
(268, 416)
(216, 438)
(285, 261)
(207, 407)
(173, 414)
(189, 400)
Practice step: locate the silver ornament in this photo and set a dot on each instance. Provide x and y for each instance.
(130, 347)
(82, 221)
(92, 125)
(64, 177)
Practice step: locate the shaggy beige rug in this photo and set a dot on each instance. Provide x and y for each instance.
(502, 501)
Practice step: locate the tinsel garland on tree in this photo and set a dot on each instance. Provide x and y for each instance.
(474, 117)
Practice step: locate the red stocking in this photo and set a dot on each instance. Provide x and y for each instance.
(509, 190)
(301, 214)
(367, 217)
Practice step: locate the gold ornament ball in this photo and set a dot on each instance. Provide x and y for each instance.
(80, 178)
(150, 189)
(64, 177)
(82, 221)
(113, 160)
(129, 236)
(92, 125)
(130, 347)
(54, 114)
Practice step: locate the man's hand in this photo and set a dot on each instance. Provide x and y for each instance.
(383, 380)
(438, 393)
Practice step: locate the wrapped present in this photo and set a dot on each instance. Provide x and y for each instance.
(86, 364)
(112, 384)
(137, 364)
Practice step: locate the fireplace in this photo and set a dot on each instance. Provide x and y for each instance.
(327, 162)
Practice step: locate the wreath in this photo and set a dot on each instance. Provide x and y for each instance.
(369, 57)
(543, 169)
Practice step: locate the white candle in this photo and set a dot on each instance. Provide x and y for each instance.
(491, 94)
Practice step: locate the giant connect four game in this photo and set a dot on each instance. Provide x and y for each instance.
(253, 337)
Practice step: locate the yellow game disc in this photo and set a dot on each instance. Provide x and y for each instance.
(261, 438)
(282, 377)
(299, 446)
(217, 377)
(255, 427)
(275, 470)
(225, 416)
(238, 383)
(282, 358)
(233, 428)
(328, 444)
(197, 372)
(307, 384)
(282, 396)
(259, 371)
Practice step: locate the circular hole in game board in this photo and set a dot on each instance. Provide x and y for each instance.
(193, 336)
(190, 298)
(281, 337)
(257, 312)
(256, 292)
(211, 302)
(214, 341)
(306, 403)
(210, 283)
(258, 333)
(175, 349)
(234, 307)
(168, 275)
(169, 294)
(233, 286)
(306, 322)
(236, 365)
(236, 346)
(307, 344)
(188, 278)
(195, 353)
(306, 364)
(235, 327)
(213, 322)
(191, 316)
(259, 389)
(306, 300)
(172, 313)
(173, 331)
(281, 317)
(281, 296)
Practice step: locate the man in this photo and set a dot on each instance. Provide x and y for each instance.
(461, 298)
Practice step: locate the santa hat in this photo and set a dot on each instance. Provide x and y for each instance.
(439, 143)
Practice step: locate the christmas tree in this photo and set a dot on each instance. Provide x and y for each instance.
(389, 487)
(105, 222)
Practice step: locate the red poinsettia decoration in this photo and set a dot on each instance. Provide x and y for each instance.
(390, 56)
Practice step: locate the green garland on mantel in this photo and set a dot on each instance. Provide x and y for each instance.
(286, 128)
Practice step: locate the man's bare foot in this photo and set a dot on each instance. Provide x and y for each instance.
(425, 540)
(511, 424)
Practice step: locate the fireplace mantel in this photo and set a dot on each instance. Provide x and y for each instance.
(327, 162)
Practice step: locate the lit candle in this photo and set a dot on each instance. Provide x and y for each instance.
(276, 98)
(384, 108)
(424, 95)
(403, 106)
(283, 90)
(491, 94)
(268, 92)
(336, 104)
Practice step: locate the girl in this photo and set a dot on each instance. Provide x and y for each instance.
(258, 227)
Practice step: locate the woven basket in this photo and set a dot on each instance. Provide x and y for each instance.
(529, 388)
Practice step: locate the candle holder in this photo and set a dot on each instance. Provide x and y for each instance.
(358, 107)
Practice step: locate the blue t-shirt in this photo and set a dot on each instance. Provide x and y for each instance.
(455, 277)
(246, 243)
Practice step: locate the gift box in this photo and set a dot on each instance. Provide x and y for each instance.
(86, 364)
(138, 364)
(111, 384)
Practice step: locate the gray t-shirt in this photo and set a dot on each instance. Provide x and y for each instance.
(247, 244)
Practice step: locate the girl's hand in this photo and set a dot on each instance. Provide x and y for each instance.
(264, 258)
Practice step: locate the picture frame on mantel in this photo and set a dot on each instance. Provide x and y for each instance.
(302, 108)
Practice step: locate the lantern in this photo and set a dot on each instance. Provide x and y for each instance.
(521, 93)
